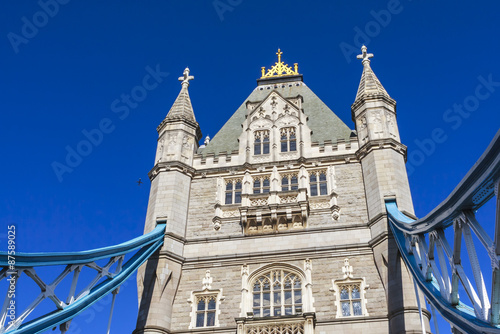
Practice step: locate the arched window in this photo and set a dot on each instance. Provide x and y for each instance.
(277, 292)
(288, 140)
(261, 142)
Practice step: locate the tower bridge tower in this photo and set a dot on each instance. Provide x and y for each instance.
(278, 224)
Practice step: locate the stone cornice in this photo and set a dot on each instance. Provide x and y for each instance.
(345, 227)
(376, 219)
(379, 144)
(171, 166)
(180, 119)
(172, 256)
(341, 251)
(409, 309)
(176, 237)
(152, 329)
(352, 320)
(372, 97)
(338, 159)
(379, 239)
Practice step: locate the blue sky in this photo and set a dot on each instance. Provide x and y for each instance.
(61, 74)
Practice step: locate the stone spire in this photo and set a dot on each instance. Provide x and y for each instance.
(182, 108)
(369, 84)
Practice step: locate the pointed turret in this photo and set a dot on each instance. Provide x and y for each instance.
(182, 108)
(157, 282)
(373, 110)
(369, 84)
(179, 133)
(382, 159)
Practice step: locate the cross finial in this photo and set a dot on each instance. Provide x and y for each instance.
(364, 56)
(279, 53)
(186, 77)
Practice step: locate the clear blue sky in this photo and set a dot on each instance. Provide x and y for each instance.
(62, 72)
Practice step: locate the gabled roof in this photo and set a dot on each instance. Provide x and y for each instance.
(324, 124)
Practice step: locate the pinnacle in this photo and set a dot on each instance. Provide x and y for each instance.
(369, 84)
(182, 108)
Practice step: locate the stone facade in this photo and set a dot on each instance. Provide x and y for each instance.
(286, 194)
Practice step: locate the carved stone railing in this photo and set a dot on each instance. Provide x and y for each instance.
(296, 324)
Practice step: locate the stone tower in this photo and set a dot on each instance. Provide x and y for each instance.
(158, 280)
(382, 158)
(278, 224)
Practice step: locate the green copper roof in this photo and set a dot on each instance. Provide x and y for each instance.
(324, 124)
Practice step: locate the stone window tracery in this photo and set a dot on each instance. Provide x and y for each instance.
(288, 140)
(350, 300)
(261, 142)
(318, 183)
(233, 191)
(289, 182)
(350, 294)
(205, 305)
(277, 292)
(261, 184)
(205, 310)
(277, 299)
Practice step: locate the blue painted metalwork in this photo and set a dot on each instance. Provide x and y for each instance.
(25, 260)
(461, 315)
(145, 245)
(421, 241)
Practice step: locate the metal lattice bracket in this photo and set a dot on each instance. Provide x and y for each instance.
(104, 281)
(436, 261)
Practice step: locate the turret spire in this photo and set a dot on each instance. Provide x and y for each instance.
(182, 108)
(369, 84)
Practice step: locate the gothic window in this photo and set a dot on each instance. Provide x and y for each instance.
(350, 293)
(350, 300)
(317, 183)
(205, 304)
(233, 191)
(206, 310)
(277, 292)
(261, 184)
(261, 142)
(289, 182)
(288, 140)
